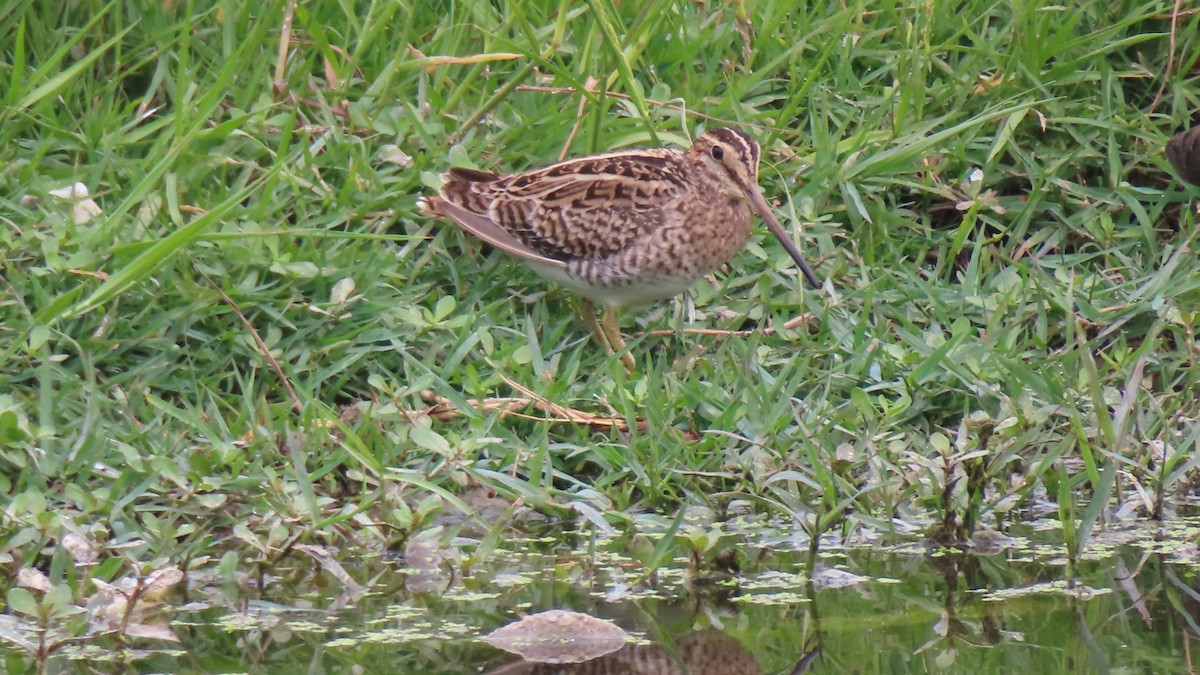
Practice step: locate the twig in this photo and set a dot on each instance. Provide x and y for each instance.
(1178, 9)
(285, 39)
(589, 86)
(717, 332)
(501, 93)
(444, 409)
(670, 106)
(262, 346)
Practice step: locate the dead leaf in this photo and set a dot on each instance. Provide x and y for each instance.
(32, 578)
(159, 581)
(80, 549)
(392, 154)
(445, 409)
(835, 578)
(352, 591)
(159, 629)
(83, 208)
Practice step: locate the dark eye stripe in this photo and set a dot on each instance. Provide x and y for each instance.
(739, 142)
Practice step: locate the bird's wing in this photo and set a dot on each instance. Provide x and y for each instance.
(588, 208)
(485, 228)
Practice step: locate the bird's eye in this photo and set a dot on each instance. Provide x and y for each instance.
(717, 152)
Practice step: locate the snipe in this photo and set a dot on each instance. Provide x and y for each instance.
(621, 228)
(1183, 152)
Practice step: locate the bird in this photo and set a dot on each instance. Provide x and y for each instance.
(1183, 152)
(625, 228)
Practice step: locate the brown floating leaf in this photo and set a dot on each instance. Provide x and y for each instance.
(132, 605)
(706, 652)
(352, 591)
(558, 636)
(158, 629)
(835, 578)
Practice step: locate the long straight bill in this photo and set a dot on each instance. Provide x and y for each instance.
(764, 211)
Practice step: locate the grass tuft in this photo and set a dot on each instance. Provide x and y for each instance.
(242, 350)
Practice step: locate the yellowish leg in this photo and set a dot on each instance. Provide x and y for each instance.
(606, 331)
(588, 311)
(612, 331)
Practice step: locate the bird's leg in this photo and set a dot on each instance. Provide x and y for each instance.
(588, 311)
(612, 331)
(606, 331)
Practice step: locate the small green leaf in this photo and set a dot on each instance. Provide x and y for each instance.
(302, 269)
(445, 307)
(431, 440)
(11, 430)
(59, 602)
(21, 601)
(38, 336)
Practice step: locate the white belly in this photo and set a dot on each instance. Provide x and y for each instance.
(644, 291)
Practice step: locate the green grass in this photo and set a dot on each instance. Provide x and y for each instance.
(1016, 279)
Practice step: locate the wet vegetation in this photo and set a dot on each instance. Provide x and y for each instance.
(256, 412)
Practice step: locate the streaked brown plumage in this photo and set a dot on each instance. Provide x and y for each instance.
(621, 228)
(1183, 152)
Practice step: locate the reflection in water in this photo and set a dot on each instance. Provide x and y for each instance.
(705, 652)
(1134, 607)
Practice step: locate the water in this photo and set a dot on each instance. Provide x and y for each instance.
(741, 606)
